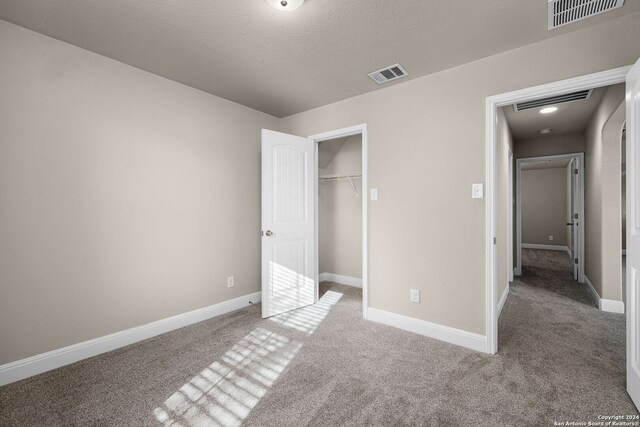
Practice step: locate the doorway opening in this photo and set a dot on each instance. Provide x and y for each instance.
(290, 243)
(550, 208)
(497, 202)
(341, 208)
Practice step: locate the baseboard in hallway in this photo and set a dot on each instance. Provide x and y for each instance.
(503, 300)
(609, 305)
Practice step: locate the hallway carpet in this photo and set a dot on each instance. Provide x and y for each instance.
(560, 359)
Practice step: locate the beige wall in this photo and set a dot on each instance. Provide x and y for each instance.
(550, 145)
(612, 202)
(544, 206)
(340, 214)
(602, 195)
(504, 144)
(426, 148)
(125, 197)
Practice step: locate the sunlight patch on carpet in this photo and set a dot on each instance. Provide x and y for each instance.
(224, 393)
(307, 319)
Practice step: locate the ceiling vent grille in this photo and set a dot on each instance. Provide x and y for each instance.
(389, 73)
(559, 99)
(563, 12)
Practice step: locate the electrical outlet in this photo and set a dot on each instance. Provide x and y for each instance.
(415, 295)
(550, 237)
(231, 282)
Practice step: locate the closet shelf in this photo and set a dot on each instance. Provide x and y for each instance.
(341, 176)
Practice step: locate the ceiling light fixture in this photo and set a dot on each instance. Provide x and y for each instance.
(285, 5)
(544, 131)
(548, 110)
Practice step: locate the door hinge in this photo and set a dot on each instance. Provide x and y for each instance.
(575, 261)
(494, 240)
(575, 171)
(575, 216)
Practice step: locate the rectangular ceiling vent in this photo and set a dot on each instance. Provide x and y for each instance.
(563, 12)
(559, 99)
(389, 73)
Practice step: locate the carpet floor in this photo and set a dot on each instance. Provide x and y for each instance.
(560, 359)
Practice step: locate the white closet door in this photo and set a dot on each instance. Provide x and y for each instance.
(289, 271)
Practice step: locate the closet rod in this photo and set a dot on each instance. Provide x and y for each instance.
(338, 177)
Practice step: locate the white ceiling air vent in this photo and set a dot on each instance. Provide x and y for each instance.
(389, 73)
(563, 12)
(558, 99)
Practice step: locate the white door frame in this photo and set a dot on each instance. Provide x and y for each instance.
(510, 203)
(580, 199)
(604, 78)
(360, 129)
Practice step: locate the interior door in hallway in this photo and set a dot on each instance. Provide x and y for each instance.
(573, 221)
(289, 270)
(633, 233)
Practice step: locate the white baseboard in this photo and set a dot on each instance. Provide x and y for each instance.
(592, 291)
(343, 280)
(433, 330)
(609, 305)
(612, 306)
(24, 368)
(546, 247)
(503, 300)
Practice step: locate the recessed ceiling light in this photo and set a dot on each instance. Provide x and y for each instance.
(285, 5)
(544, 131)
(548, 110)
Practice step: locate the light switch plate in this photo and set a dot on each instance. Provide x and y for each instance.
(477, 191)
(374, 194)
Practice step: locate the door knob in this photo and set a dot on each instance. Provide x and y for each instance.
(569, 223)
(269, 233)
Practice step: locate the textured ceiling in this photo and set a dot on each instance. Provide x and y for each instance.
(285, 63)
(571, 117)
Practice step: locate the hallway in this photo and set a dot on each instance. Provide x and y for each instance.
(551, 271)
(575, 353)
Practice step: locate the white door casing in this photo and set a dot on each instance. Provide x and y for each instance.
(289, 270)
(511, 201)
(603, 78)
(633, 233)
(570, 217)
(578, 249)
